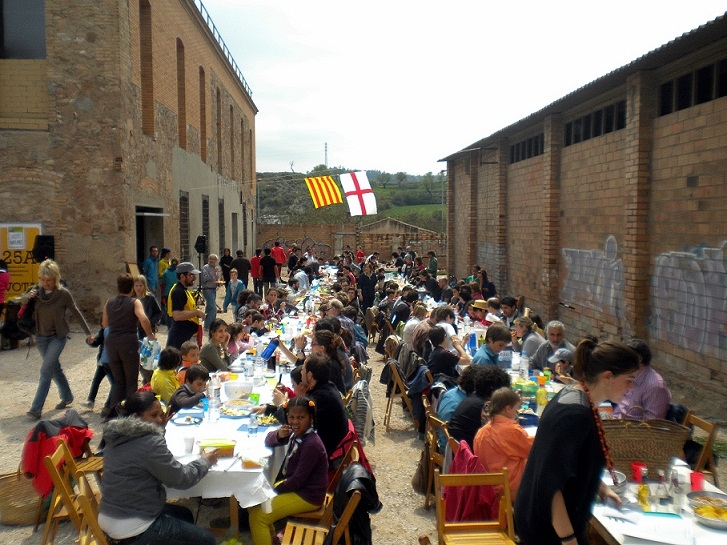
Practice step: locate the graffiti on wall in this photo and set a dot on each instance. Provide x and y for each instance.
(594, 278)
(323, 251)
(689, 291)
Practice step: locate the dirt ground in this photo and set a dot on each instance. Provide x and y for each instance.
(394, 455)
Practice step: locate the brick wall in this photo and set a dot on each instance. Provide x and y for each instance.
(24, 99)
(326, 238)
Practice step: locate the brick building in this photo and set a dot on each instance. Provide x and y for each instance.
(123, 124)
(607, 209)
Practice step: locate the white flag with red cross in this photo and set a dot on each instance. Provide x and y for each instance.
(358, 192)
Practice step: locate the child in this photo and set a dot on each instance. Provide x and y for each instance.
(192, 391)
(102, 370)
(190, 356)
(257, 325)
(164, 379)
(238, 342)
(303, 478)
(502, 442)
(496, 339)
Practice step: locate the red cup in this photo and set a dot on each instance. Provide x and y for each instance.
(697, 479)
(636, 468)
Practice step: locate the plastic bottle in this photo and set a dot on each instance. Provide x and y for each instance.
(466, 325)
(473, 343)
(524, 365)
(252, 424)
(541, 396)
(644, 492)
(215, 402)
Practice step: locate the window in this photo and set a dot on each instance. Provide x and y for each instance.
(722, 78)
(221, 222)
(568, 134)
(219, 131)
(22, 29)
(597, 123)
(587, 127)
(235, 241)
(666, 98)
(242, 150)
(684, 92)
(181, 97)
(244, 225)
(577, 130)
(526, 149)
(705, 85)
(184, 226)
(147, 70)
(232, 143)
(609, 119)
(202, 115)
(206, 219)
(621, 115)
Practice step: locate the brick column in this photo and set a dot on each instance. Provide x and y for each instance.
(451, 262)
(640, 112)
(472, 209)
(499, 275)
(550, 260)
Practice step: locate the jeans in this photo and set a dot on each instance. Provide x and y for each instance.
(258, 285)
(174, 526)
(50, 349)
(210, 299)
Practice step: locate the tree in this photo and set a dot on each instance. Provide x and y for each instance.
(428, 184)
(384, 179)
(401, 178)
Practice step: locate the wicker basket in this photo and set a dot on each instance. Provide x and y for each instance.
(18, 500)
(654, 442)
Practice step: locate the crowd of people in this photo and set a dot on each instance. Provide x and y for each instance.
(458, 328)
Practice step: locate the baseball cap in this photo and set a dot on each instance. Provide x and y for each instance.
(561, 354)
(186, 267)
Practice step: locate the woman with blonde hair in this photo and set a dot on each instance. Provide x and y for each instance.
(51, 303)
(524, 337)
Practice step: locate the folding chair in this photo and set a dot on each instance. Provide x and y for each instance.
(370, 321)
(90, 533)
(304, 534)
(400, 390)
(324, 514)
(705, 462)
(436, 457)
(475, 532)
(63, 502)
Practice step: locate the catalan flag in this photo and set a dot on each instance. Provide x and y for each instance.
(323, 190)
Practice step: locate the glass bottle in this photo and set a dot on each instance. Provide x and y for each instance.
(644, 492)
(678, 492)
(662, 500)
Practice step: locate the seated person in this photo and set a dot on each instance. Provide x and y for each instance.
(190, 355)
(446, 319)
(418, 313)
(524, 337)
(442, 361)
(214, 355)
(446, 295)
(257, 325)
(303, 478)
(556, 340)
(494, 312)
(508, 307)
(164, 379)
(451, 399)
(282, 394)
(562, 363)
(496, 339)
(502, 442)
(650, 397)
(477, 310)
(190, 393)
(137, 467)
(467, 417)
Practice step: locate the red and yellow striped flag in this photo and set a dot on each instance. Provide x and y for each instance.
(323, 190)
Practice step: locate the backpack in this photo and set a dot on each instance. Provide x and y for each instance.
(26, 317)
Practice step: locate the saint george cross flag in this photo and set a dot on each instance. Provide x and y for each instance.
(323, 190)
(360, 196)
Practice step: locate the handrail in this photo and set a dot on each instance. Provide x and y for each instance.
(225, 50)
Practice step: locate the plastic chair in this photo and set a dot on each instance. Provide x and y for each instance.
(475, 532)
(304, 534)
(705, 462)
(90, 533)
(400, 390)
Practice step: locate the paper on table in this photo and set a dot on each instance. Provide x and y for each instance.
(660, 528)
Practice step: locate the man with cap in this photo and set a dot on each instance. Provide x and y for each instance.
(182, 307)
(562, 363)
(555, 331)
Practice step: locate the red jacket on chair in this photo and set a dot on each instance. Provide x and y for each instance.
(469, 503)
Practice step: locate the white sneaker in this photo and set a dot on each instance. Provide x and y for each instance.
(87, 405)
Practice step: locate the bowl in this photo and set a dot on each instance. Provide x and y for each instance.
(702, 498)
(225, 447)
(237, 389)
(621, 483)
(714, 517)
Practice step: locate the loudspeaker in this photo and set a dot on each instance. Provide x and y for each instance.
(44, 247)
(201, 245)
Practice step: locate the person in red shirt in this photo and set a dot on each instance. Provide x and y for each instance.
(255, 272)
(360, 255)
(278, 254)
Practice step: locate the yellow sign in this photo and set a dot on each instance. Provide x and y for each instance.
(16, 249)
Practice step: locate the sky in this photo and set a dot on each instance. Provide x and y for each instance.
(397, 85)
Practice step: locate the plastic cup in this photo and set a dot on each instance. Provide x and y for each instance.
(188, 444)
(697, 480)
(255, 398)
(636, 468)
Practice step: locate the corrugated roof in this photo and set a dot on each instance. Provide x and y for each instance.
(680, 46)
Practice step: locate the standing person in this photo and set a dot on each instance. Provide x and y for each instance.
(360, 255)
(226, 265)
(137, 467)
(293, 259)
(233, 289)
(367, 284)
(242, 264)
(433, 264)
(255, 272)
(563, 473)
(151, 269)
(278, 255)
(209, 277)
(268, 268)
(303, 477)
(169, 278)
(122, 315)
(164, 262)
(51, 303)
(182, 307)
(4, 283)
(152, 310)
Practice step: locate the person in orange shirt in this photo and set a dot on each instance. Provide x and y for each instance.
(502, 442)
(190, 356)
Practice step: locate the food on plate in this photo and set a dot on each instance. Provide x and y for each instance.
(267, 420)
(234, 411)
(187, 418)
(709, 501)
(715, 513)
(247, 463)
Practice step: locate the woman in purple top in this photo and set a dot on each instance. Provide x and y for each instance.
(303, 478)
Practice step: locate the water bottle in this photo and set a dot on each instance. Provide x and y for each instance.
(252, 424)
(524, 365)
(215, 402)
(473, 343)
(466, 321)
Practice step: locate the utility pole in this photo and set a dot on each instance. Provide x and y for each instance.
(325, 160)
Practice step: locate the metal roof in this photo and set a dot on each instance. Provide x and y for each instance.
(673, 50)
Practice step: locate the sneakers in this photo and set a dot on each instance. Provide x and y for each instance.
(87, 404)
(63, 404)
(34, 415)
(106, 411)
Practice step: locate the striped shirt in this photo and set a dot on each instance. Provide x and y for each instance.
(650, 393)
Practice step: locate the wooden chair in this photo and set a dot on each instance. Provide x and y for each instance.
(370, 321)
(90, 533)
(399, 390)
(475, 532)
(323, 516)
(436, 456)
(705, 462)
(424, 540)
(63, 504)
(304, 534)
(391, 345)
